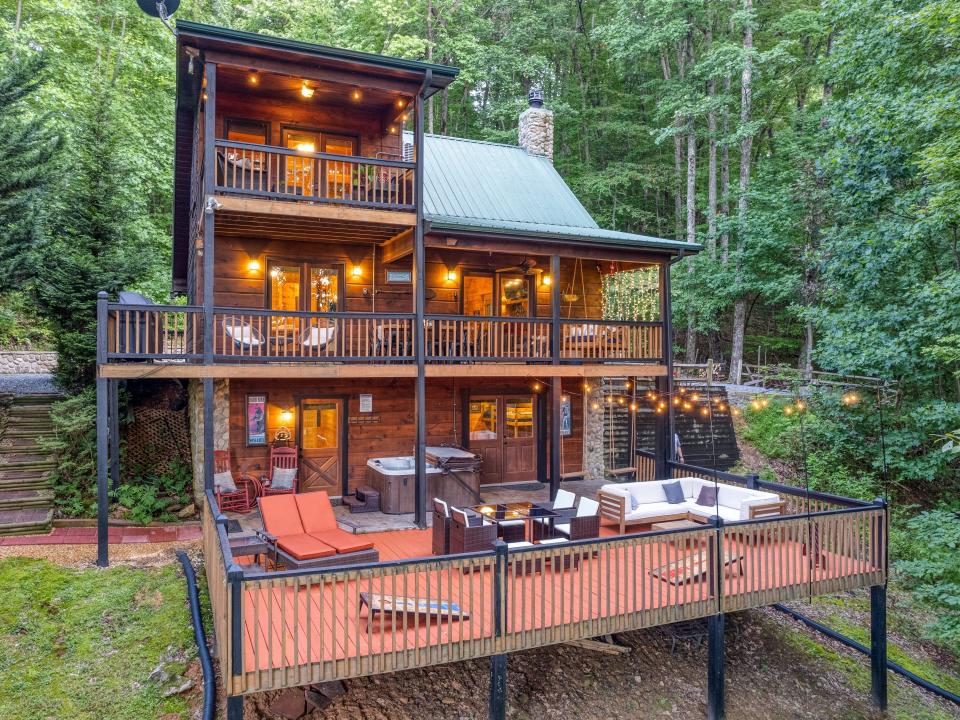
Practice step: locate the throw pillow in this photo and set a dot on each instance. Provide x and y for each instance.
(223, 481)
(674, 493)
(707, 496)
(633, 502)
(283, 478)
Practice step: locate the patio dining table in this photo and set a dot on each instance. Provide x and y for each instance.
(525, 511)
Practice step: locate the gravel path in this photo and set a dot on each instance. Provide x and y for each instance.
(38, 384)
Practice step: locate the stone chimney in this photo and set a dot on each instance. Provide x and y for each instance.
(536, 126)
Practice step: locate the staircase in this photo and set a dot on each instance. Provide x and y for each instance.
(26, 493)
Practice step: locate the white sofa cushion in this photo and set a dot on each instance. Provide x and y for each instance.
(647, 492)
(647, 499)
(658, 509)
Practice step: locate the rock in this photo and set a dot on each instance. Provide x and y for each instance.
(316, 700)
(449, 701)
(159, 674)
(182, 688)
(332, 689)
(189, 511)
(290, 704)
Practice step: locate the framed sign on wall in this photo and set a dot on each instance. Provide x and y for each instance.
(256, 420)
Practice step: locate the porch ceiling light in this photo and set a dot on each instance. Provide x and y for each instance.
(355, 94)
(306, 90)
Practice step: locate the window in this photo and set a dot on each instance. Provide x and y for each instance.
(300, 174)
(478, 295)
(518, 420)
(483, 420)
(285, 287)
(320, 425)
(324, 288)
(247, 131)
(514, 296)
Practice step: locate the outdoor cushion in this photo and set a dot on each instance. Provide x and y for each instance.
(725, 513)
(342, 542)
(282, 478)
(280, 515)
(316, 512)
(646, 492)
(223, 481)
(707, 496)
(674, 493)
(564, 499)
(305, 547)
(656, 510)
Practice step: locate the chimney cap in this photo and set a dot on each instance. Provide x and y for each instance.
(535, 96)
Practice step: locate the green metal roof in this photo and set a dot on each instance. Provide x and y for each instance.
(490, 187)
(215, 32)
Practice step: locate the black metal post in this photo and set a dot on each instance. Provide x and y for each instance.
(542, 442)
(663, 436)
(498, 662)
(114, 445)
(209, 180)
(419, 302)
(208, 434)
(878, 645)
(715, 670)
(556, 383)
(234, 707)
(103, 500)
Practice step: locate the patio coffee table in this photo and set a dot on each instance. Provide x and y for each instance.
(692, 567)
(676, 525)
(525, 511)
(396, 606)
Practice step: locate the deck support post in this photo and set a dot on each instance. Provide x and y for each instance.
(878, 645)
(103, 462)
(663, 434)
(419, 306)
(556, 383)
(234, 707)
(715, 669)
(498, 686)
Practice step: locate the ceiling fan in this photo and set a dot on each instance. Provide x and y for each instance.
(527, 266)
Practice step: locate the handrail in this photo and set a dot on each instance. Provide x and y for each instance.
(280, 150)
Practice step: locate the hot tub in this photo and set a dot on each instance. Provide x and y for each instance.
(395, 478)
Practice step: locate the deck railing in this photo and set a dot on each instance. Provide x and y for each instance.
(290, 628)
(175, 333)
(291, 174)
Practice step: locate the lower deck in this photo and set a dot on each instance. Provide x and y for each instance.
(299, 627)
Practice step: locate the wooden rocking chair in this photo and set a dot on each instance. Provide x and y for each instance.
(282, 458)
(244, 497)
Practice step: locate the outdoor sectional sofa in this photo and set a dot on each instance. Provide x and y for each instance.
(646, 502)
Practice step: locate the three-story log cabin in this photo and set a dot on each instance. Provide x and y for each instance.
(356, 288)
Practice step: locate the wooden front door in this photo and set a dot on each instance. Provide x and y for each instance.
(502, 429)
(321, 445)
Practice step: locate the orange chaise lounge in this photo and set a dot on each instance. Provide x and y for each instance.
(302, 531)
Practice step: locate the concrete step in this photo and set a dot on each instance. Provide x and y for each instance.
(30, 521)
(25, 498)
(40, 483)
(34, 400)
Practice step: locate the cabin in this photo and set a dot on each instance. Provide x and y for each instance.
(378, 320)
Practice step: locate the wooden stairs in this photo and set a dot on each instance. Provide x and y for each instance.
(26, 491)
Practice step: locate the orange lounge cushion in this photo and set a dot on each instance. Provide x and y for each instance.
(344, 542)
(316, 512)
(281, 518)
(305, 547)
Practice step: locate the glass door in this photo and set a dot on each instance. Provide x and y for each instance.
(300, 176)
(339, 174)
(484, 433)
(519, 439)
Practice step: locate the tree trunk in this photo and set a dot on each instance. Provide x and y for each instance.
(691, 341)
(739, 308)
(725, 178)
(711, 160)
(430, 59)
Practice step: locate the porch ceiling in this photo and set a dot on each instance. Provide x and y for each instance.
(304, 228)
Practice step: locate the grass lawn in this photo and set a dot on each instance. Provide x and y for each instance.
(82, 643)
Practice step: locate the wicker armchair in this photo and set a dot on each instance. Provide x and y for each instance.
(584, 525)
(467, 538)
(441, 527)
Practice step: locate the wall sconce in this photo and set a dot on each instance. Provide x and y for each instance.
(546, 280)
(393, 129)
(357, 271)
(306, 90)
(253, 266)
(286, 416)
(451, 275)
(537, 387)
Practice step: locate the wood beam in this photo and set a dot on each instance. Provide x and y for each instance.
(325, 211)
(398, 247)
(588, 250)
(312, 72)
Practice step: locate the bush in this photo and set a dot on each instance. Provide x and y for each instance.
(20, 326)
(74, 446)
(149, 498)
(931, 567)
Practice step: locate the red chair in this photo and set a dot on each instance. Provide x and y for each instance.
(245, 496)
(284, 458)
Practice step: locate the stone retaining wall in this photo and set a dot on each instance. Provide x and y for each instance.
(27, 362)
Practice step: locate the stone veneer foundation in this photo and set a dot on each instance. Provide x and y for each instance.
(27, 362)
(221, 427)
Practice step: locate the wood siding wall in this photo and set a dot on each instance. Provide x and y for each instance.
(393, 404)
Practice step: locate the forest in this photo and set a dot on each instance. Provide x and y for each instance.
(811, 146)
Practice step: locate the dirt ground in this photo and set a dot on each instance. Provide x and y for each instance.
(770, 674)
